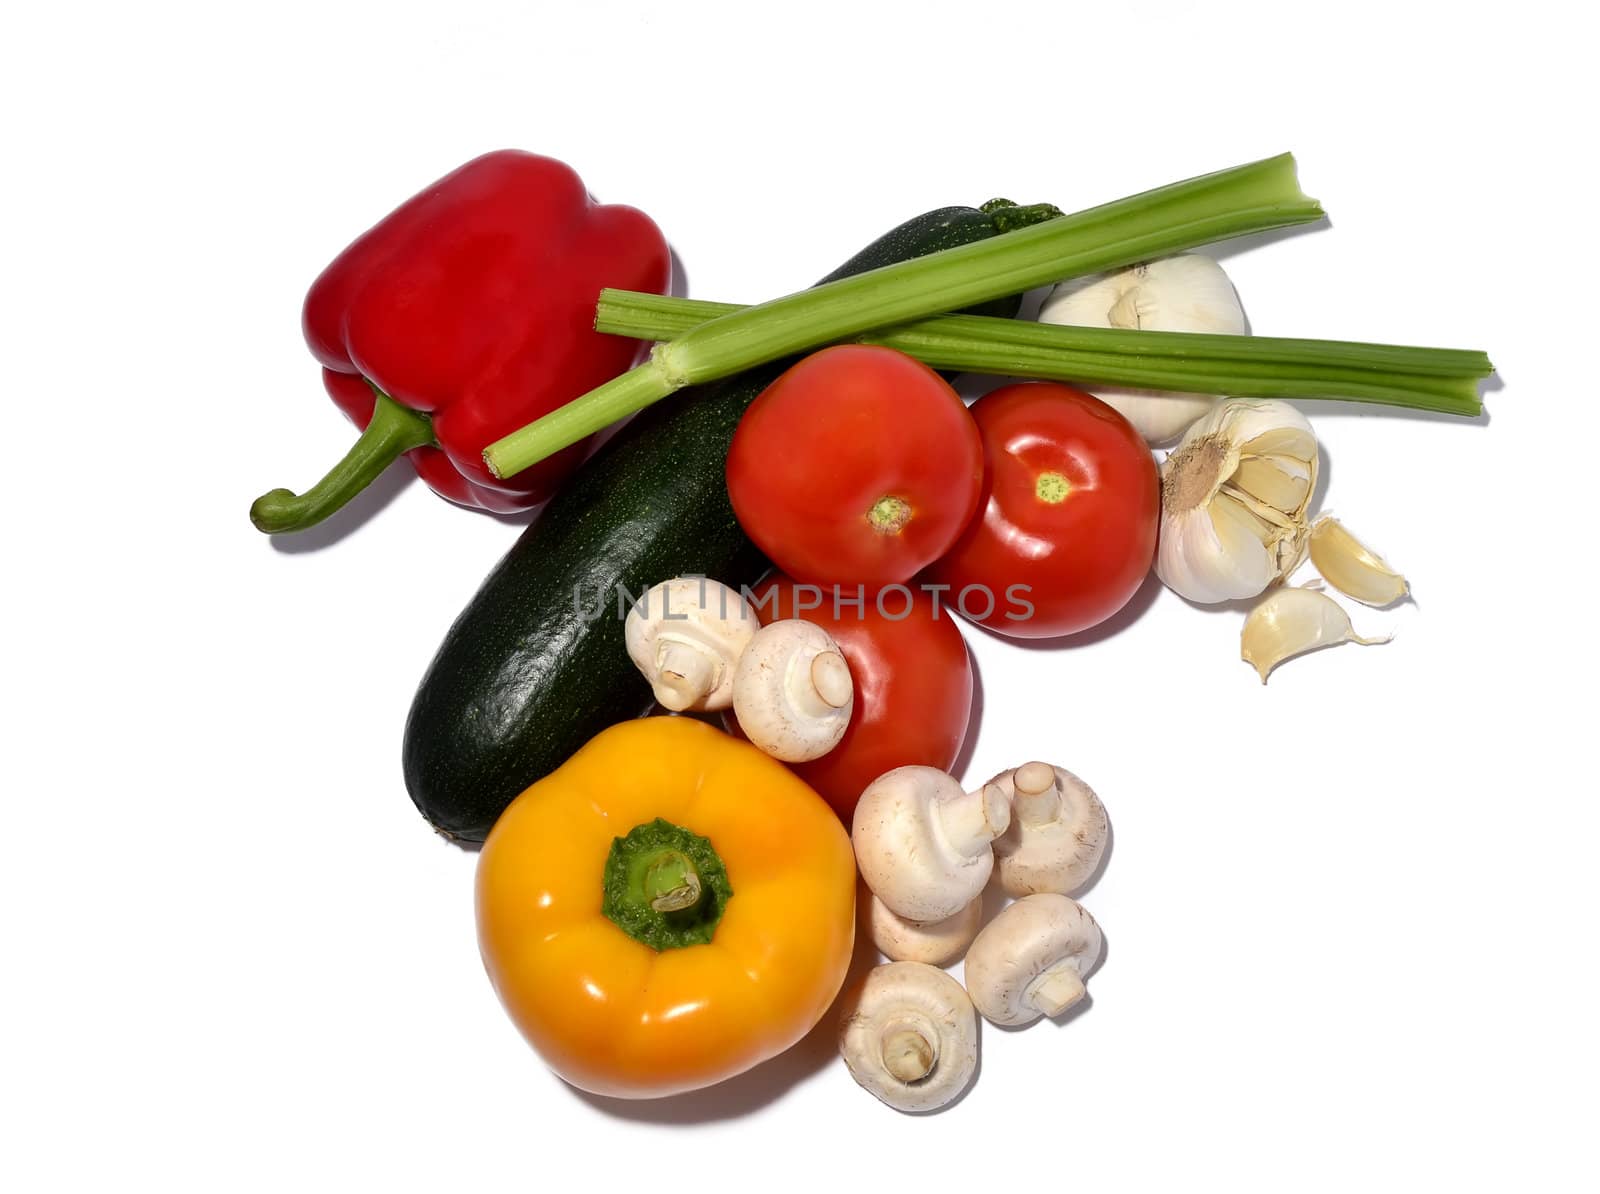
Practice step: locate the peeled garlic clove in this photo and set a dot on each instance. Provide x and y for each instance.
(1233, 501)
(1351, 567)
(1292, 622)
(1188, 293)
(1277, 481)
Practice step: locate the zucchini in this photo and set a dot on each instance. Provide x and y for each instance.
(526, 675)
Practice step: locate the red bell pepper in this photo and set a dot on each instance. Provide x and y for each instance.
(465, 314)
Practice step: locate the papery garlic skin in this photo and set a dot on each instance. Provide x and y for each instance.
(1189, 293)
(1234, 495)
(1352, 567)
(1292, 622)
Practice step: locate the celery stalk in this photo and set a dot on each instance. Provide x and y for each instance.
(1434, 379)
(1246, 199)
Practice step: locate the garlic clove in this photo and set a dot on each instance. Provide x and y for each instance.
(1295, 441)
(1187, 293)
(1267, 426)
(1216, 555)
(1241, 509)
(1292, 622)
(1352, 567)
(1276, 481)
(1283, 535)
(1188, 561)
(1242, 540)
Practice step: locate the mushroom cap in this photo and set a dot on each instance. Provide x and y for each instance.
(909, 1035)
(937, 943)
(1031, 959)
(1055, 855)
(686, 636)
(792, 691)
(922, 843)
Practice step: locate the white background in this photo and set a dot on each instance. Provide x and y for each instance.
(1350, 916)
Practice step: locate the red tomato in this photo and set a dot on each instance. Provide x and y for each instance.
(857, 465)
(1073, 504)
(913, 681)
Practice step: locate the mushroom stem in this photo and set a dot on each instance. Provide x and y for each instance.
(1031, 959)
(908, 1054)
(910, 1036)
(1038, 800)
(792, 692)
(821, 687)
(685, 673)
(830, 676)
(672, 883)
(972, 821)
(1054, 991)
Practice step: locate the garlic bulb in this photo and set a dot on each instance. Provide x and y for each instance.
(1233, 501)
(1174, 294)
(1352, 567)
(1292, 622)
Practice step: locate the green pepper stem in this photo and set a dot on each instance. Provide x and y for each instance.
(671, 882)
(1434, 379)
(1246, 199)
(392, 431)
(664, 886)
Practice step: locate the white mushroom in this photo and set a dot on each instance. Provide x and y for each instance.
(1058, 831)
(1030, 960)
(910, 1036)
(792, 691)
(937, 943)
(686, 635)
(923, 845)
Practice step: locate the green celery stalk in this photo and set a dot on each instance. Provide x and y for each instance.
(1433, 379)
(1246, 199)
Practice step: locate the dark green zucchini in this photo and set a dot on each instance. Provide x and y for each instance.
(528, 673)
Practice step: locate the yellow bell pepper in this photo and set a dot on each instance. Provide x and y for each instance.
(667, 909)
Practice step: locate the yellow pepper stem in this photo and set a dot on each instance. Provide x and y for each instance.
(665, 886)
(672, 883)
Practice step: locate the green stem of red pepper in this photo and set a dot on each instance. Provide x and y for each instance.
(393, 431)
